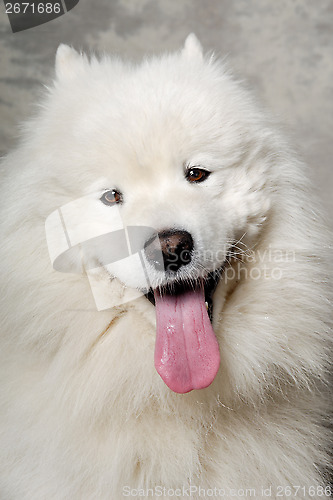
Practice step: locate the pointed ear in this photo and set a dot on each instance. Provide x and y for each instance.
(67, 62)
(192, 47)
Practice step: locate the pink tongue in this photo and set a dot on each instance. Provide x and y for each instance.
(187, 354)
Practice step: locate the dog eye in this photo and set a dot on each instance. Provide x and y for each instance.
(196, 174)
(111, 197)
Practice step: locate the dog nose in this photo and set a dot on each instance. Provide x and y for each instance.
(176, 247)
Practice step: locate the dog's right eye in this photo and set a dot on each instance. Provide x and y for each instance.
(111, 197)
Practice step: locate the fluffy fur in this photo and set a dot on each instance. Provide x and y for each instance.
(83, 412)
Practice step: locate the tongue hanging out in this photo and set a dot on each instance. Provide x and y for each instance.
(187, 354)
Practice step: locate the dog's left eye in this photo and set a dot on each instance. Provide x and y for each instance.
(111, 197)
(196, 174)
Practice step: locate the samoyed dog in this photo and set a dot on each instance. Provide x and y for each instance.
(165, 302)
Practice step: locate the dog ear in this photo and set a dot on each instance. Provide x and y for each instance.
(67, 62)
(192, 47)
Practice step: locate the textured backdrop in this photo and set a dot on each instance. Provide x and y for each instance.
(284, 49)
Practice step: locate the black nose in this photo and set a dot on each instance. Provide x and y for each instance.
(176, 247)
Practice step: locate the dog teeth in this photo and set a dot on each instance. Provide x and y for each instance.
(206, 305)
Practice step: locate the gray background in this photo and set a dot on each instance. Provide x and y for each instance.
(283, 48)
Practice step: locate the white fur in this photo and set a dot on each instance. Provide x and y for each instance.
(83, 411)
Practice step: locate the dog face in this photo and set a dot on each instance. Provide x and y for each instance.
(169, 146)
(176, 153)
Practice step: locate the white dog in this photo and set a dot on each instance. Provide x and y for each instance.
(165, 292)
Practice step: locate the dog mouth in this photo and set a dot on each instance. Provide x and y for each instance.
(187, 355)
(209, 284)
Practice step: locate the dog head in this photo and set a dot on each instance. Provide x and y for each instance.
(171, 161)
